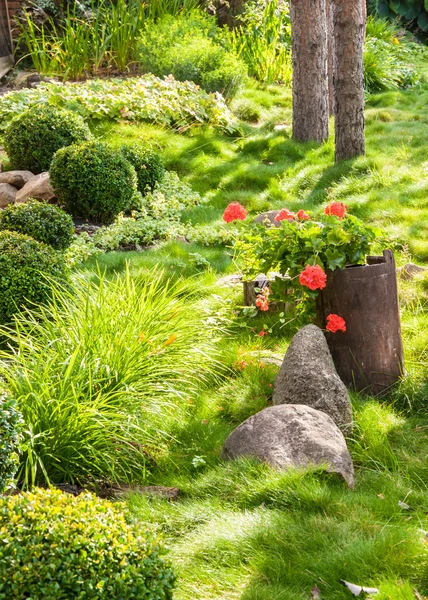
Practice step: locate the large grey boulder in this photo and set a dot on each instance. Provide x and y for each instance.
(39, 188)
(16, 178)
(7, 194)
(289, 436)
(308, 376)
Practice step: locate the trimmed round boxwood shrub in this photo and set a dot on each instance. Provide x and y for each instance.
(10, 425)
(27, 269)
(56, 546)
(93, 181)
(33, 137)
(148, 166)
(41, 221)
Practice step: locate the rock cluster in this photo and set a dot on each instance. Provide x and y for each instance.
(19, 186)
(311, 411)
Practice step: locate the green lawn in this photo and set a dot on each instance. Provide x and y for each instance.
(241, 530)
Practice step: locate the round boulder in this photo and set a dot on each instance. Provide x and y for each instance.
(290, 436)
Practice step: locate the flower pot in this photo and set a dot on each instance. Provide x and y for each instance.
(369, 356)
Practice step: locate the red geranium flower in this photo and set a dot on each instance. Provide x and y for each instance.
(335, 323)
(338, 209)
(262, 333)
(302, 215)
(234, 212)
(262, 302)
(313, 277)
(285, 214)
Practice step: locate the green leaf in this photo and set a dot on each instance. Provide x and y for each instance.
(337, 237)
(423, 19)
(336, 259)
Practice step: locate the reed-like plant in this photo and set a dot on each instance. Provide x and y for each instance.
(103, 374)
(263, 41)
(124, 21)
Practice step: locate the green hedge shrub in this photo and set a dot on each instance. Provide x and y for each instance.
(10, 425)
(190, 48)
(148, 166)
(56, 546)
(25, 268)
(33, 137)
(94, 182)
(41, 221)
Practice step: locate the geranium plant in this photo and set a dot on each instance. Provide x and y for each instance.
(302, 248)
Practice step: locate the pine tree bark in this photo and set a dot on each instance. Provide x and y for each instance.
(331, 55)
(310, 74)
(349, 28)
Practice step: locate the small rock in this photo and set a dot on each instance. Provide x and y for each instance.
(7, 194)
(16, 178)
(268, 218)
(410, 271)
(39, 188)
(181, 238)
(308, 376)
(86, 228)
(229, 280)
(292, 436)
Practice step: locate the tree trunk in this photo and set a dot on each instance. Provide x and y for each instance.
(349, 78)
(310, 75)
(331, 55)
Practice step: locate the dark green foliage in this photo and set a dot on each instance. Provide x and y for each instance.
(147, 164)
(190, 48)
(10, 423)
(77, 547)
(41, 221)
(33, 137)
(25, 268)
(410, 11)
(93, 181)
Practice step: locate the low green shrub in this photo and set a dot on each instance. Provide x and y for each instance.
(103, 376)
(57, 546)
(389, 57)
(26, 268)
(169, 199)
(41, 221)
(33, 137)
(10, 426)
(147, 164)
(164, 102)
(94, 182)
(189, 47)
(125, 232)
(247, 111)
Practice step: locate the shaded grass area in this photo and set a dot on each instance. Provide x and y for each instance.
(241, 530)
(264, 168)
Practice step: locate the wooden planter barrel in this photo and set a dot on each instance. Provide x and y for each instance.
(369, 356)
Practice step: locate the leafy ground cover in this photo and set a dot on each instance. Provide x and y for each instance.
(241, 530)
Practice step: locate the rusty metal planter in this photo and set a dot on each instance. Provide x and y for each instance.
(369, 356)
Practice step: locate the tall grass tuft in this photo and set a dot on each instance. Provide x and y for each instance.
(103, 374)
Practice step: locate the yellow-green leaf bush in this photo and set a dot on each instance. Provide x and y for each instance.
(10, 426)
(56, 546)
(33, 137)
(42, 221)
(165, 102)
(27, 270)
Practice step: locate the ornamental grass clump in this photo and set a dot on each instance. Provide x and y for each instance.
(33, 137)
(56, 546)
(103, 375)
(41, 221)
